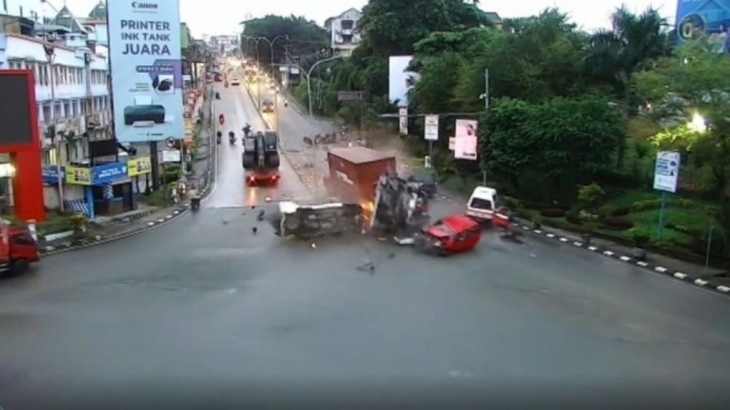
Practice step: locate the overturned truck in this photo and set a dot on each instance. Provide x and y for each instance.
(370, 197)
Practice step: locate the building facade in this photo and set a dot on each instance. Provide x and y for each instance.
(343, 29)
(71, 90)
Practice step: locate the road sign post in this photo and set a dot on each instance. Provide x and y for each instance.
(431, 134)
(666, 175)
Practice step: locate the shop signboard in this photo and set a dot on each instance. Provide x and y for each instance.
(139, 166)
(50, 174)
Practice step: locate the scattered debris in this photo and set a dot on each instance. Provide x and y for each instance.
(391, 255)
(261, 215)
(314, 245)
(367, 267)
(254, 229)
(225, 222)
(267, 199)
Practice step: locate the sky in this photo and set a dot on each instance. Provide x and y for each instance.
(213, 17)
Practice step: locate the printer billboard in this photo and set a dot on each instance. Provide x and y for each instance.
(146, 69)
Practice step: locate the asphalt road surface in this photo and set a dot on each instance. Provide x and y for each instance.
(202, 313)
(231, 190)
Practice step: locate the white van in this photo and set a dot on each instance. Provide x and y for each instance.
(483, 203)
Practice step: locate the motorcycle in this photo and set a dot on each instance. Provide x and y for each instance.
(218, 136)
(195, 203)
(231, 138)
(217, 96)
(221, 119)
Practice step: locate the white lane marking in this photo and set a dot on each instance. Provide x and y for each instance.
(608, 253)
(577, 244)
(550, 235)
(679, 275)
(642, 263)
(723, 289)
(176, 212)
(625, 258)
(150, 223)
(700, 282)
(563, 239)
(660, 269)
(592, 248)
(537, 231)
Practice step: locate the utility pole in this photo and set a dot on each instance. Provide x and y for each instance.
(309, 79)
(486, 88)
(50, 51)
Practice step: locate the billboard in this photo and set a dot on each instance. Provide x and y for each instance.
(16, 123)
(704, 17)
(146, 69)
(465, 144)
(399, 80)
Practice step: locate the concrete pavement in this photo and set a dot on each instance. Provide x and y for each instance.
(202, 313)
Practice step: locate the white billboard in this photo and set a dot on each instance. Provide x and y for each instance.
(431, 130)
(465, 144)
(399, 79)
(146, 69)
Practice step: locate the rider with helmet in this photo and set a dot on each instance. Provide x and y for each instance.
(231, 137)
(221, 119)
(218, 136)
(247, 129)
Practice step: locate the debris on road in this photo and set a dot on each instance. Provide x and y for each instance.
(254, 229)
(261, 215)
(313, 245)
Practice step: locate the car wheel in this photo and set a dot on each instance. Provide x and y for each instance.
(18, 267)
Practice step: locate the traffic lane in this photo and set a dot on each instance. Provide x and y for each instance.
(555, 266)
(229, 188)
(204, 300)
(290, 186)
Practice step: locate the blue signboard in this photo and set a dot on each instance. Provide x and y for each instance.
(696, 18)
(107, 173)
(50, 174)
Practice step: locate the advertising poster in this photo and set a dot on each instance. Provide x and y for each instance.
(465, 143)
(403, 120)
(666, 171)
(146, 69)
(431, 130)
(78, 176)
(697, 18)
(139, 166)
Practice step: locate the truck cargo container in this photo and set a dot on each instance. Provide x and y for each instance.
(354, 173)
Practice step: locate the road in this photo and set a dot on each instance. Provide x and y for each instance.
(202, 313)
(231, 190)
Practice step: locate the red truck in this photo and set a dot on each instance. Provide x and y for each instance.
(18, 250)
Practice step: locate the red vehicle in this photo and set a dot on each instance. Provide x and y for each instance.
(221, 119)
(452, 234)
(218, 78)
(18, 250)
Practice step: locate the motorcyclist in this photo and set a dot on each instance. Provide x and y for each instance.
(231, 137)
(218, 136)
(221, 119)
(247, 129)
(217, 96)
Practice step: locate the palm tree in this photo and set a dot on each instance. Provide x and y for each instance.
(615, 55)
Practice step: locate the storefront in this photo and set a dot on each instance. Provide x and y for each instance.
(107, 188)
(138, 168)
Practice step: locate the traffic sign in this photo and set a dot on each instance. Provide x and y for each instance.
(170, 142)
(349, 96)
(666, 171)
(431, 130)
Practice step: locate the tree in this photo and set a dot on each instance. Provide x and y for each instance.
(693, 83)
(305, 37)
(615, 55)
(557, 144)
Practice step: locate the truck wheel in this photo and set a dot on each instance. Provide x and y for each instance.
(18, 267)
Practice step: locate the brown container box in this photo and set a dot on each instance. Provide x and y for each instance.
(354, 172)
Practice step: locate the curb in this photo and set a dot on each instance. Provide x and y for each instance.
(681, 276)
(100, 239)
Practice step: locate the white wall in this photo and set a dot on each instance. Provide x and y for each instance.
(335, 26)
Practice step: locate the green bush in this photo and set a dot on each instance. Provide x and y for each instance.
(621, 211)
(639, 236)
(646, 205)
(591, 194)
(617, 223)
(552, 212)
(512, 203)
(573, 217)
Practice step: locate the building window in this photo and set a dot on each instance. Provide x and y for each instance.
(347, 24)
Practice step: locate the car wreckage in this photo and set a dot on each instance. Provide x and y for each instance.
(400, 208)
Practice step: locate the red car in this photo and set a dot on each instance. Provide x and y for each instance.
(18, 249)
(452, 234)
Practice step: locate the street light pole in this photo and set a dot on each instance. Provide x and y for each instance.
(309, 79)
(50, 51)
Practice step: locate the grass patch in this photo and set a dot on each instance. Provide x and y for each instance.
(684, 219)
